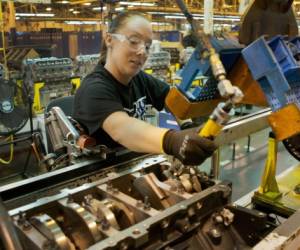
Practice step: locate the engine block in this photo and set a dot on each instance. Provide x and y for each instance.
(154, 203)
(158, 62)
(85, 64)
(48, 69)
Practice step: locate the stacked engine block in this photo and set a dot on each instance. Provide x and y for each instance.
(48, 69)
(47, 79)
(158, 62)
(84, 64)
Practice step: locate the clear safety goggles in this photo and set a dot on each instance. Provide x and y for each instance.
(134, 42)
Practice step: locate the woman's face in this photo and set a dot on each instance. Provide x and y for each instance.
(128, 48)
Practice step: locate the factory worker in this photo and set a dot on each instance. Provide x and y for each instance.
(110, 103)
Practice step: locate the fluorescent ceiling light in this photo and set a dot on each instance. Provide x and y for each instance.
(25, 14)
(119, 9)
(99, 8)
(48, 9)
(64, 2)
(83, 22)
(87, 4)
(226, 19)
(136, 3)
(201, 17)
(176, 17)
(181, 16)
(163, 13)
(90, 22)
(35, 14)
(45, 14)
(73, 22)
(76, 12)
(159, 24)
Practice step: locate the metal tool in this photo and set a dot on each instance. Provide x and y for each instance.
(220, 115)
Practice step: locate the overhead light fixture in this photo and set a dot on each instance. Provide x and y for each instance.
(163, 13)
(160, 24)
(137, 3)
(75, 22)
(76, 12)
(90, 22)
(64, 2)
(45, 14)
(48, 9)
(119, 8)
(99, 8)
(176, 17)
(201, 17)
(35, 15)
(226, 19)
(87, 4)
(196, 16)
(25, 14)
(71, 10)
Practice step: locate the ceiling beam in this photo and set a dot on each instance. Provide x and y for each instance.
(29, 1)
(58, 19)
(177, 10)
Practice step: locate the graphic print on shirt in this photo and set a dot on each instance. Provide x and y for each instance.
(139, 109)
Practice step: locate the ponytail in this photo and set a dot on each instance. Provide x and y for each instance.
(103, 53)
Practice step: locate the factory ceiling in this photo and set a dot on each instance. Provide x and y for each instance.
(95, 9)
(98, 10)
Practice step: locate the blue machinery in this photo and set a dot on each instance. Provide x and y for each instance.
(229, 51)
(272, 64)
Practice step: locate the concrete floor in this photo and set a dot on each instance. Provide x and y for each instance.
(245, 172)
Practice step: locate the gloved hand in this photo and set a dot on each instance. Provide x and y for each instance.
(187, 146)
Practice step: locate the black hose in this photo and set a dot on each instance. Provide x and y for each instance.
(8, 232)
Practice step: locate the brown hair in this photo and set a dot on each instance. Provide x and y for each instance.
(119, 21)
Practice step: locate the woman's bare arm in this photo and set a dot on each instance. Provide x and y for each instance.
(134, 134)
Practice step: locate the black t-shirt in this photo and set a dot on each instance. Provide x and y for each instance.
(100, 95)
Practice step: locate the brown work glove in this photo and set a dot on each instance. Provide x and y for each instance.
(187, 146)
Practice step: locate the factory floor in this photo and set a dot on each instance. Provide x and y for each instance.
(246, 170)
